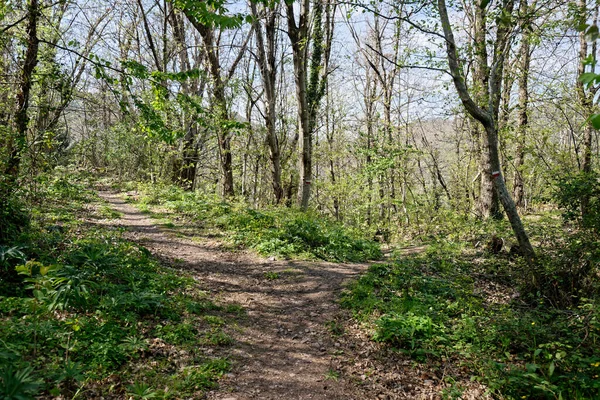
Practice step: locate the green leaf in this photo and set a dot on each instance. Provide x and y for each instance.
(595, 121)
(587, 78)
(592, 33)
(531, 367)
(551, 368)
(582, 27)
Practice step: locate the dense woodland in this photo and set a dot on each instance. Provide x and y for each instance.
(318, 129)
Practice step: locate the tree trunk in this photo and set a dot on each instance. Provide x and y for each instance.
(310, 88)
(21, 116)
(266, 54)
(220, 79)
(220, 110)
(226, 163)
(488, 198)
(504, 196)
(585, 99)
(185, 172)
(298, 34)
(523, 122)
(488, 118)
(329, 134)
(488, 201)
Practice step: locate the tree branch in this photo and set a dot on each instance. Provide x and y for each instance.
(455, 70)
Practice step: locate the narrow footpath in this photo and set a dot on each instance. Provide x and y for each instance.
(284, 348)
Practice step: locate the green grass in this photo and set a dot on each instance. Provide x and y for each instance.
(271, 276)
(106, 212)
(431, 307)
(80, 304)
(278, 231)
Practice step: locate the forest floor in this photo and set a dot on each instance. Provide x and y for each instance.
(293, 341)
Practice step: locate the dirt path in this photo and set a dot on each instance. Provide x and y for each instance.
(283, 349)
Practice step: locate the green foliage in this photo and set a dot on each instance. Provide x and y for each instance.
(571, 191)
(408, 331)
(177, 333)
(140, 390)
(204, 376)
(568, 271)
(432, 306)
(277, 231)
(86, 304)
(13, 217)
(271, 276)
(216, 337)
(9, 258)
(332, 375)
(110, 151)
(212, 13)
(18, 384)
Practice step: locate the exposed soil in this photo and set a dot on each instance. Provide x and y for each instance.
(286, 345)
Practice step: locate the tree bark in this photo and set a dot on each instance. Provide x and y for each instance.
(488, 198)
(220, 110)
(585, 99)
(186, 168)
(266, 54)
(298, 34)
(310, 88)
(21, 116)
(523, 117)
(488, 118)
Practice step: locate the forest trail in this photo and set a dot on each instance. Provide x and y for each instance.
(283, 348)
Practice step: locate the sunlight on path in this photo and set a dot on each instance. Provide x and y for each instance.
(283, 348)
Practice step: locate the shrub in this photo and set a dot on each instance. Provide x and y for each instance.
(79, 303)
(578, 195)
(569, 271)
(426, 306)
(14, 218)
(276, 231)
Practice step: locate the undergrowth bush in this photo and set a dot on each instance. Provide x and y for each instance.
(433, 307)
(568, 268)
(276, 231)
(83, 304)
(13, 218)
(578, 195)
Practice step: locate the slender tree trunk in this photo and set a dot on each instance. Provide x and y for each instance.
(488, 118)
(219, 106)
(310, 87)
(330, 128)
(305, 140)
(298, 34)
(504, 196)
(369, 101)
(390, 141)
(586, 165)
(21, 116)
(585, 98)
(224, 139)
(523, 119)
(186, 169)
(266, 54)
(149, 38)
(488, 198)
